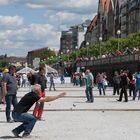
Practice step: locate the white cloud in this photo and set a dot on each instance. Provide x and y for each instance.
(79, 3)
(20, 33)
(35, 6)
(31, 37)
(6, 2)
(11, 20)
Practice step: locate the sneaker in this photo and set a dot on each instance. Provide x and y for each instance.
(15, 133)
(26, 135)
(87, 101)
(125, 101)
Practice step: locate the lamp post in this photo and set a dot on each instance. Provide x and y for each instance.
(118, 33)
(68, 54)
(100, 40)
(76, 48)
(87, 45)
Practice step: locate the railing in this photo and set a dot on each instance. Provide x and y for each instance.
(111, 60)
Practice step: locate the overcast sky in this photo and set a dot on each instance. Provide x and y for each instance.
(26, 25)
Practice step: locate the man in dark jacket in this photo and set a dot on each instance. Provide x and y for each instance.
(20, 114)
(124, 84)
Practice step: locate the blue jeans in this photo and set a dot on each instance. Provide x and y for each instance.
(28, 122)
(89, 94)
(52, 84)
(135, 92)
(101, 87)
(10, 100)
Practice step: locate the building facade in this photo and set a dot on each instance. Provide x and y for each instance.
(34, 54)
(114, 15)
(65, 42)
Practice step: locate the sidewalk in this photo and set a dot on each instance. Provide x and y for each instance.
(71, 118)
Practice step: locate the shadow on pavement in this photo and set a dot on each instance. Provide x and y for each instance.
(8, 137)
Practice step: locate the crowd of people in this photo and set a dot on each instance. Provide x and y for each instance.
(123, 81)
(9, 84)
(117, 52)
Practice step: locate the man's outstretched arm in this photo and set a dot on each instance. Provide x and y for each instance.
(51, 98)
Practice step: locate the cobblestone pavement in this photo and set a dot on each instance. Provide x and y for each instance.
(71, 118)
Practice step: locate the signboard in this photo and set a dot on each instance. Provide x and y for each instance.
(36, 62)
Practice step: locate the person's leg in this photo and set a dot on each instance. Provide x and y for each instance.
(14, 100)
(125, 94)
(50, 86)
(8, 99)
(99, 87)
(28, 122)
(103, 87)
(114, 89)
(135, 93)
(118, 88)
(39, 109)
(36, 108)
(91, 94)
(139, 93)
(87, 95)
(121, 94)
(54, 86)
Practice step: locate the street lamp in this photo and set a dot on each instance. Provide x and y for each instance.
(87, 45)
(76, 48)
(118, 33)
(68, 54)
(100, 40)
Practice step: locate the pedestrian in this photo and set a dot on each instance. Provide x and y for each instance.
(20, 112)
(52, 84)
(104, 81)
(137, 89)
(1, 88)
(132, 85)
(99, 81)
(62, 79)
(124, 84)
(10, 91)
(116, 83)
(89, 86)
(40, 79)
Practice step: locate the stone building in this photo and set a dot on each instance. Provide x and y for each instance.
(34, 54)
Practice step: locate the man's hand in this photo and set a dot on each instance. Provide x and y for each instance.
(61, 95)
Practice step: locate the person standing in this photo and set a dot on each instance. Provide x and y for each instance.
(52, 82)
(124, 84)
(20, 112)
(89, 86)
(10, 91)
(116, 83)
(99, 81)
(137, 89)
(41, 79)
(132, 85)
(1, 88)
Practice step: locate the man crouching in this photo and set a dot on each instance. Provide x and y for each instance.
(20, 114)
